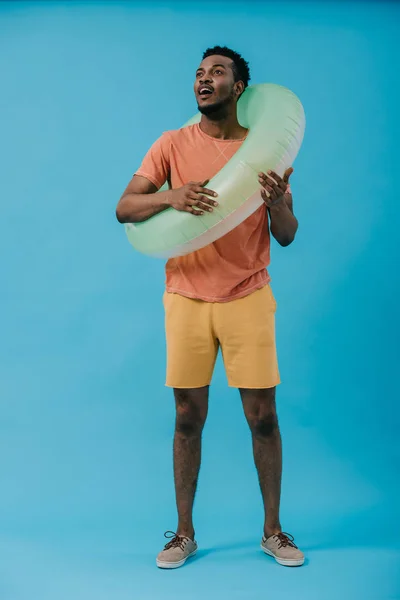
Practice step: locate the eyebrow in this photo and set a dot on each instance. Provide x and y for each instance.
(217, 65)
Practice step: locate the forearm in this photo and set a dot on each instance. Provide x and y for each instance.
(283, 223)
(135, 208)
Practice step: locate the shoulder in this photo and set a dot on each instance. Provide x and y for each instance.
(182, 135)
(181, 139)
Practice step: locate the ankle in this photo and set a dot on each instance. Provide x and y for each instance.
(185, 532)
(270, 530)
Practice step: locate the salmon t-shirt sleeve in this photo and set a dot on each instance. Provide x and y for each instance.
(156, 164)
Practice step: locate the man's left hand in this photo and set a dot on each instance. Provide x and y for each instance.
(273, 187)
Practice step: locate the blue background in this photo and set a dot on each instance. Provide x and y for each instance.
(86, 423)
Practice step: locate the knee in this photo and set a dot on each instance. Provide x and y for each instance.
(190, 418)
(264, 426)
(188, 422)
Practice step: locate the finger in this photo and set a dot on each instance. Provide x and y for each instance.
(202, 190)
(202, 198)
(279, 189)
(276, 182)
(287, 174)
(200, 186)
(205, 207)
(209, 203)
(199, 182)
(269, 180)
(194, 199)
(265, 197)
(199, 202)
(271, 193)
(192, 210)
(205, 203)
(274, 176)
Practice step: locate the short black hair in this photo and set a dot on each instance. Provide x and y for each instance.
(240, 67)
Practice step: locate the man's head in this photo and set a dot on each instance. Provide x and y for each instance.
(221, 78)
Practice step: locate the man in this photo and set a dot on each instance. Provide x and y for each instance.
(218, 297)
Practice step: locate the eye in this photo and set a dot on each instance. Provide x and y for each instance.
(218, 71)
(198, 74)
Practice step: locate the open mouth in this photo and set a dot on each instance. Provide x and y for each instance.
(205, 91)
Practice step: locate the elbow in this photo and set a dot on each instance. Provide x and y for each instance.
(121, 215)
(285, 241)
(122, 212)
(125, 213)
(287, 237)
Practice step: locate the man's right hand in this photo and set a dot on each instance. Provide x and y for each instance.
(192, 198)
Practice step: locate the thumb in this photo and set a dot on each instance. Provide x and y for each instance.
(287, 174)
(203, 183)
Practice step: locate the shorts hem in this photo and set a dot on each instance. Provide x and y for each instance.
(255, 387)
(186, 387)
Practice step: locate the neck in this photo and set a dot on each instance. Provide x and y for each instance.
(226, 127)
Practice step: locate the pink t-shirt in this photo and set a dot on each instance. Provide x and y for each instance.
(233, 266)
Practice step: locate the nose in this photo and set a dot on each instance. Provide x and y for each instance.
(205, 79)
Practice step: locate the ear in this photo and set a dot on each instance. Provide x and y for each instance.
(239, 88)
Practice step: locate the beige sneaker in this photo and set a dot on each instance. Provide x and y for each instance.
(176, 552)
(282, 547)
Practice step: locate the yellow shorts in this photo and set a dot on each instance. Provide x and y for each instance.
(243, 328)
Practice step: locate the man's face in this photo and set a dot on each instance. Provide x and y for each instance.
(215, 87)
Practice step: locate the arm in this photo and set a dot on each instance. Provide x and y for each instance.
(276, 194)
(140, 201)
(283, 222)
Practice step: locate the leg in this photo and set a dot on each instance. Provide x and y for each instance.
(246, 330)
(260, 410)
(191, 353)
(191, 414)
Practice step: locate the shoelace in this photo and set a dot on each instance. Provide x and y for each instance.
(177, 541)
(285, 539)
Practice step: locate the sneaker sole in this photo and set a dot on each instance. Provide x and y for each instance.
(174, 565)
(284, 561)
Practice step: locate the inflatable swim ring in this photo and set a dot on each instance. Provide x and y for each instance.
(276, 122)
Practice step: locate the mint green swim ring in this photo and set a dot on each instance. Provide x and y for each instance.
(276, 122)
